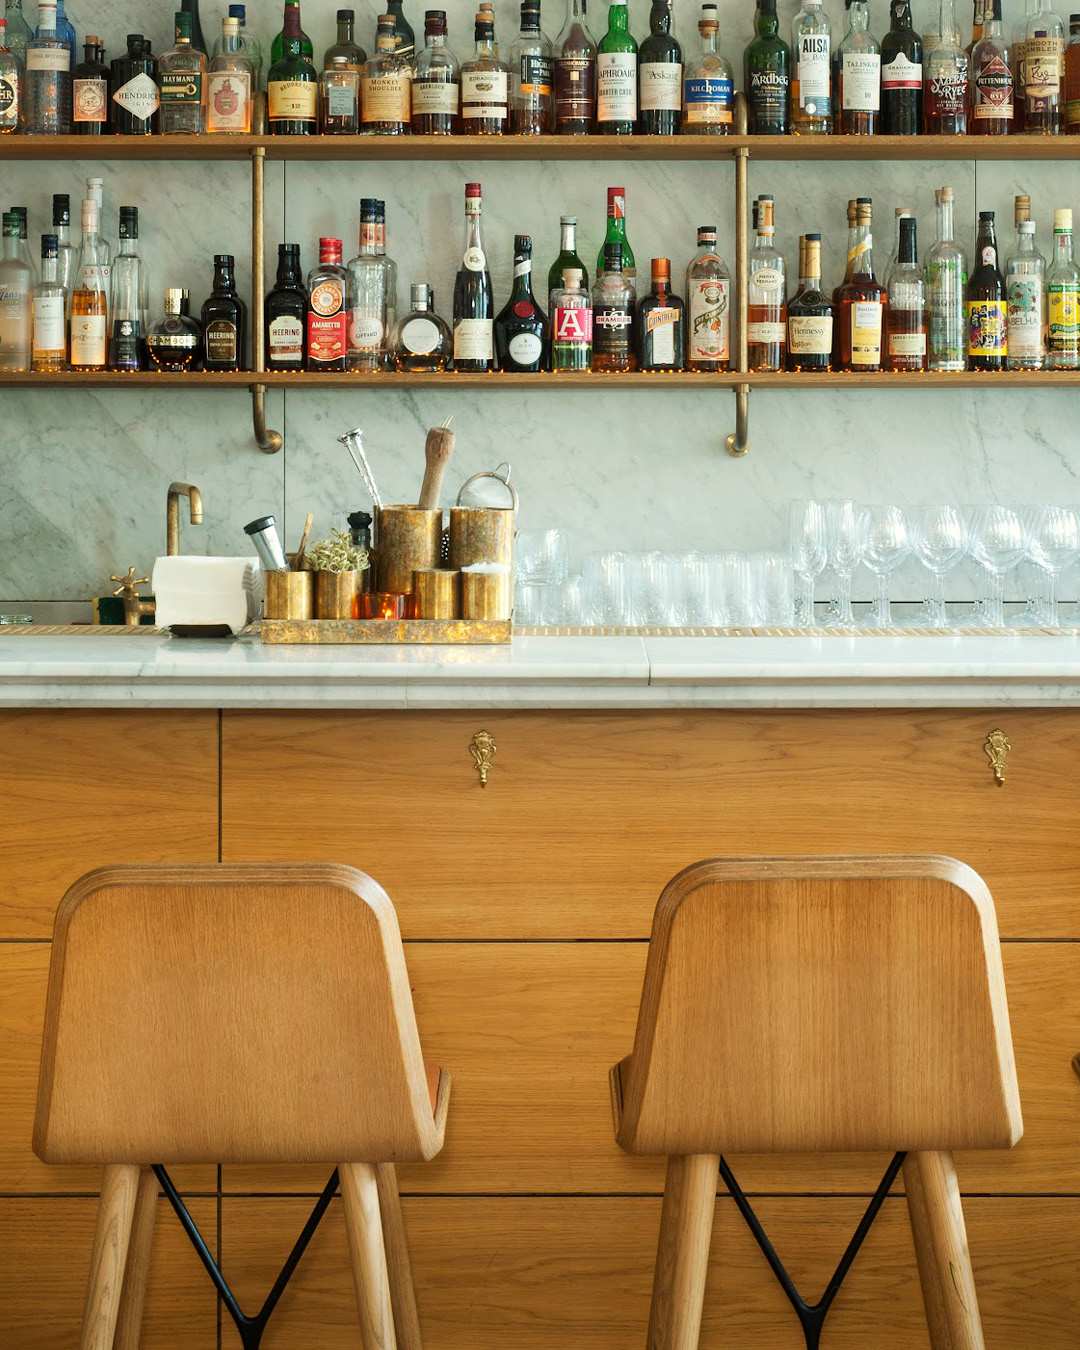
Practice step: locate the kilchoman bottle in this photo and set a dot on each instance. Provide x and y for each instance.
(47, 100)
(420, 342)
(660, 76)
(811, 81)
(49, 314)
(1019, 54)
(987, 305)
(947, 69)
(286, 314)
(571, 325)
(708, 306)
(661, 335)
(946, 288)
(858, 65)
(708, 82)
(907, 323)
(575, 74)
(617, 76)
(766, 295)
(616, 234)
(292, 85)
(136, 98)
(67, 258)
(1044, 70)
(521, 328)
(11, 84)
(174, 340)
(1063, 298)
(277, 47)
(224, 319)
(16, 302)
(89, 302)
(91, 91)
(1072, 77)
(862, 304)
(436, 83)
(128, 301)
(532, 76)
(1025, 281)
(614, 301)
(901, 75)
(329, 304)
(473, 304)
(369, 322)
(992, 83)
(485, 86)
(767, 75)
(346, 44)
(386, 85)
(810, 316)
(568, 256)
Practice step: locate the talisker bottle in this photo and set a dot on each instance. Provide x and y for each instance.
(987, 303)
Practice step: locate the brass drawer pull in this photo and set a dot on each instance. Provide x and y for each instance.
(483, 748)
(997, 749)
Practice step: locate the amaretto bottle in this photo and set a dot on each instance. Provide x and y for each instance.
(811, 82)
(708, 82)
(708, 306)
(1025, 282)
(617, 76)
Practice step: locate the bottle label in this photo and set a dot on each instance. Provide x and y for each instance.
(221, 338)
(907, 344)
(139, 96)
(385, 98)
(88, 339)
(181, 87)
(613, 330)
(48, 58)
(810, 335)
(342, 98)
(328, 339)
(229, 97)
(616, 87)
(474, 259)
(710, 320)
(286, 334)
(573, 327)
(435, 96)
(766, 333)
(484, 95)
(49, 335)
(814, 73)
(525, 348)
(124, 349)
(989, 256)
(473, 340)
(861, 82)
(94, 278)
(1072, 112)
(906, 295)
(987, 324)
(575, 89)
(9, 92)
(1064, 313)
(708, 100)
(660, 326)
(769, 96)
(1025, 316)
(767, 279)
(866, 333)
(536, 75)
(420, 336)
(948, 93)
(292, 100)
(661, 86)
(366, 332)
(900, 73)
(1044, 66)
(993, 97)
(89, 101)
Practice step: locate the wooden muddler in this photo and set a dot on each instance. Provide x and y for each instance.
(438, 448)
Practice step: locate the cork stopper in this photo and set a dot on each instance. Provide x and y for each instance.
(1021, 209)
(946, 194)
(1063, 220)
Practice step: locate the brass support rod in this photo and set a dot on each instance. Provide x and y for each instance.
(269, 442)
(738, 443)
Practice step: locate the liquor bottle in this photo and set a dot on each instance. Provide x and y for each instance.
(616, 234)
(858, 65)
(1072, 77)
(89, 302)
(767, 74)
(614, 300)
(487, 9)
(862, 304)
(766, 314)
(16, 302)
(568, 256)
(11, 82)
(90, 91)
(708, 306)
(291, 23)
(810, 316)
(521, 329)
(907, 323)
(182, 84)
(174, 340)
(617, 76)
(946, 72)
(946, 287)
(129, 298)
(811, 80)
(66, 256)
(1044, 68)
(346, 44)
(47, 94)
(987, 305)
(24, 241)
(660, 76)
(406, 39)
(485, 86)
(286, 314)
(329, 305)
(992, 85)
(95, 191)
(901, 75)
(436, 83)
(224, 319)
(1063, 298)
(49, 348)
(292, 85)
(191, 9)
(421, 341)
(65, 31)
(661, 336)
(977, 23)
(901, 214)
(473, 305)
(1019, 55)
(339, 99)
(19, 31)
(708, 82)
(230, 84)
(1025, 282)
(136, 97)
(388, 265)
(571, 325)
(532, 76)
(575, 74)
(386, 86)
(249, 45)
(369, 323)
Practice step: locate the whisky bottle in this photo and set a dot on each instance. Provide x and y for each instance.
(661, 335)
(182, 82)
(291, 23)
(49, 313)
(858, 64)
(617, 76)
(575, 74)
(708, 82)
(906, 319)
(173, 341)
(614, 300)
(90, 96)
(292, 85)
(810, 316)
(901, 75)
(128, 298)
(901, 214)
(403, 32)
(992, 83)
(386, 86)
(286, 314)
(16, 301)
(1063, 298)
(532, 76)
(224, 319)
(473, 304)
(346, 44)
(89, 302)
(521, 329)
(811, 81)
(987, 304)
(767, 74)
(436, 84)
(947, 70)
(47, 97)
(862, 304)
(485, 86)
(766, 313)
(1044, 70)
(660, 76)
(329, 304)
(339, 99)
(708, 306)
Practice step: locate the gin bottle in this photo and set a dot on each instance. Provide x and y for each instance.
(129, 298)
(16, 299)
(11, 82)
(946, 284)
(182, 72)
(1025, 282)
(50, 318)
(65, 31)
(47, 107)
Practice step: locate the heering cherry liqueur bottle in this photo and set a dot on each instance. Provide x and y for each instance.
(328, 310)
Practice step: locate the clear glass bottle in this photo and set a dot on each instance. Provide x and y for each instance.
(65, 31)
(182, 81)
(571, 325)
(49, 314)
(532, 76)
(617, 76)
(1072, 77)
(568, 256)
(614, 301)
(129, 298)
(575, 74)
(230, 84)
(863, 304)
(369, 325)
(766, 326)
(339, 99)
(420, 341)
(330, 303)
(616, 234)
(485, 86)
(24, 241)
(95, 192)
(708, 82)
(47, 102)
(19, 31)
(906, 323)
(474, 313)
(1019, 56)
(346, 45)
(811, 64)
(1044, 72)
(386, 86)
(946, 287)
(436, 84)
(660, 76)
(16, 301)
(89, 299)
(173, 342)
(946, 70)
(708, 306)
(389, 266)
(1025, 282)
(67, 258)
(858, 66)
(249, 44)
(1063, 298)
(11, 84)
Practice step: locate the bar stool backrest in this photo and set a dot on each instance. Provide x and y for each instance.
(231, 1013)
(821, 1005)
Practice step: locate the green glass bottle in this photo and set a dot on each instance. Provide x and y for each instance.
(568, 257)
(767, 70)
(277, 49)
(292, 85)
(616, 234)
(617, 77)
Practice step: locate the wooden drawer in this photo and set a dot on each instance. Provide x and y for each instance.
(588, 815)
(79, 789)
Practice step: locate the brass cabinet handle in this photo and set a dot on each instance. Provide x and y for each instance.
(1076, 1065)
(483, 748)
(997, 749)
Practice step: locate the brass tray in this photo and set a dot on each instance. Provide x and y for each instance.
(444, 632)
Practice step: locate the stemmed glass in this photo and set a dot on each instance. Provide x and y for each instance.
(998, 542)
(842, 547)
(1053, 545)
(883, 534)
(939, 538)
(807, 538)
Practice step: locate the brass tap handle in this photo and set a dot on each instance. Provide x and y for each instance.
(482, 748)
(997, 749)
(129, 585)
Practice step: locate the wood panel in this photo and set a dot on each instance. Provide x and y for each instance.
(82, 788)
(587, 816)
(536, 1274)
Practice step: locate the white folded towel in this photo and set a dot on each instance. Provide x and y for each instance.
(192, 590)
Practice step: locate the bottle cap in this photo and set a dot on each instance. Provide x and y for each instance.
(568, 220)
(613, 256)
(129, 222)
(813, 238)
(358, 520)
(380, 211)
(1063, 219)
(420, 295)
(472, 190)
(238, 12)
(11, 225)
(224, 260)
(345, 14)
(61, 209)
(435, 22)
(1025, 227)
(49, 246)
(571, 278)
(709, 230)
(287, 249)
(661, 268)
(522, 243)
(986, 215)
(614, 192)
(329, 250)
(183, 26)
(174, 298)
(230, 27)
(92, 40)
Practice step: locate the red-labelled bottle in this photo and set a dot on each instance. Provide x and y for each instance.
(328, 311)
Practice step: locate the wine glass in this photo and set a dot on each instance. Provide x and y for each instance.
(939, 539)
(807, 540)
(842, 548)
(1053, 545)
(883, 533)
(998, 542)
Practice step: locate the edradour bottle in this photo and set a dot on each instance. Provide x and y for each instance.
(810, 316)
(329, 303)
(224, 319)
(521, 329)
(485, 86)
(614, 300)
(767, 74)
(946, 286)
(286, 314)
(987, 304)
(862, 304)
(766, 313)
(661, 334)
(708, 306)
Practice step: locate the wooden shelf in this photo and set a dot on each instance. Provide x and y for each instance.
(887, 379)
(127, 147)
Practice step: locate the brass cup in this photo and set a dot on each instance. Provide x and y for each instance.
(287, 595)
(481, 534)
(487, 595)
(436, 594)
(408, 541)
(337, 594)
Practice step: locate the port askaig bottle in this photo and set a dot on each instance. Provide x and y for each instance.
(660, 76)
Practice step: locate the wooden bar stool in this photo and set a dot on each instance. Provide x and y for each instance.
(236, 1014)
(819, 1005)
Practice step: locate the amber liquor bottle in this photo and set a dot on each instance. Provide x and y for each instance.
(907, 320)
(993, 86)
(328, 307)
(661, 329)
(810, 315)
(766, 312)
(862, 303)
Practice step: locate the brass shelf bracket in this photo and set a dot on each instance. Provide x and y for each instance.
(738, 443)
(269, 442)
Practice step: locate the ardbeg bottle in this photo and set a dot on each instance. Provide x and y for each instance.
(767, 74)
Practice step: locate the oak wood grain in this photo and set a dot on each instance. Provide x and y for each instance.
(941, 1247)
(682, 1253)
(398, 1260)
(108, 1261)
(367, 1255)
(136, 1274)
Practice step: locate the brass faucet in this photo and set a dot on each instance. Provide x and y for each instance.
(135, 605)
(172, 514)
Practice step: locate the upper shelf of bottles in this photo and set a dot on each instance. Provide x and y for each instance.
(542, 147)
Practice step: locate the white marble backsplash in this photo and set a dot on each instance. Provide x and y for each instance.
(83, 474)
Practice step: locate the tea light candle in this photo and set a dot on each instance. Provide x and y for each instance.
(382, 605)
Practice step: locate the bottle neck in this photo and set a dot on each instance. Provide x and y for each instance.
(47, 23)
(767, 22)
(901, 16)
(1063, 246)
(129, 246)
(576, 11)
(485, 43)
(661, 285)
(569, 240)
(472, 224)
(288, 270)
(48, 270)
(522, 288)
(223, 279)
(765, 235)
(945, 221)
(344, 31)
(862, 262)
(710, 38)
(947, 20)
(436, 39)
(660, 18)
(986, 239)
(859, 16)
(618, 22)
(11, 248)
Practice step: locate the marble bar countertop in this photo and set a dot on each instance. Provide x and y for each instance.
(545, 672)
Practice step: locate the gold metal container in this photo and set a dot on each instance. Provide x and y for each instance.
(487, 595)
(436, 594)
(408, 541)
(337, 594)
(288, 595)
(481, 534)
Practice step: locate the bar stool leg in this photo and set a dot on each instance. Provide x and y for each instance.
(133, 1292)
(363, 1223)
(682, 1257)
(116, 1210)
(399, 1267)
(941, 1246)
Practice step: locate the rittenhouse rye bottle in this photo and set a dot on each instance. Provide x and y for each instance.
(766, 314)
(614, 300)
(661, 334)
(286, 314)
(811, 81)
(575, 74)
(987, 303)
(521, 329)
(660, 76)
(810, 315)
(862, 304)
(906, 320)
(224, 319)
(708, 82)
(617, 76)
(901, 75)
(473, 304)
(329, 303)
(767, 74)
(708, 305)
(436, 84)
(992, 84)
(571, 324)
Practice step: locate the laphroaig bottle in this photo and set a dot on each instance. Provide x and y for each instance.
(16, 300)
(571, 325)
(1025, 280)
(50, 313)
(947, 276)
(1063, 298)
(708, 305)
(987, 307)
(617, 76)
(708, 82)
(811, 83)
(616, 234)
